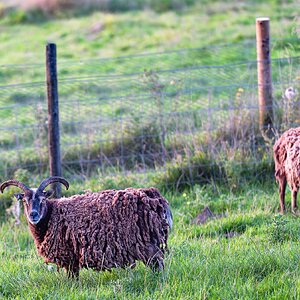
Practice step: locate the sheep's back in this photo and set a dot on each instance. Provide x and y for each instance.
(107, 229)
(280, 149)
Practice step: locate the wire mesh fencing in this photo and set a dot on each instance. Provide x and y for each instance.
(142, 114)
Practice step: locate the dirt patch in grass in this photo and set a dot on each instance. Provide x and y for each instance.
(205, 216)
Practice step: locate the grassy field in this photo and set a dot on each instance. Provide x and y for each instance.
(251, 252)
(103, 35)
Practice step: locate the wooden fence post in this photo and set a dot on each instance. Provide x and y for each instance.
(264, 77)
(53, 116)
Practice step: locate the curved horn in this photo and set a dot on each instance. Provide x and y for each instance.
(53, 179)
(17, 183)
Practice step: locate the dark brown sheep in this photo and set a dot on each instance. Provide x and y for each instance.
(101, 231)
(287, 165)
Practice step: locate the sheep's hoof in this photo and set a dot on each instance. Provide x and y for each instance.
(295, 211)
(282, 210)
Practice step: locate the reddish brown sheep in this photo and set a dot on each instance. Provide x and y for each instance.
(101, 231)
(287, 165)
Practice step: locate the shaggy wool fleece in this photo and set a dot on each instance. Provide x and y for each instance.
(104, 230)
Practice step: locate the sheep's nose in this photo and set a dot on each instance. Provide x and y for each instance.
(34, 215)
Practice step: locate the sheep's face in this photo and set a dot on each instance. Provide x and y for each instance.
(35, 200)
(35, 204)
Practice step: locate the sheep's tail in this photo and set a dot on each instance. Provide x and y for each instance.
(279, 158)
(169, 217)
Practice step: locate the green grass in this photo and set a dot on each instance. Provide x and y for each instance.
(260, 262)
(136, 32)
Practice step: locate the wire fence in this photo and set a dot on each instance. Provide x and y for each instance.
(147, 112)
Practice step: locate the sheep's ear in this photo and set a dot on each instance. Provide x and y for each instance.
(49, 193)
(19, 197)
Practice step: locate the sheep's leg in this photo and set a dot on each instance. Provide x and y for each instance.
(282, 187)
(156, 264)
(73, 274)
(73, 271)
(154, 258)
(294, 200)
